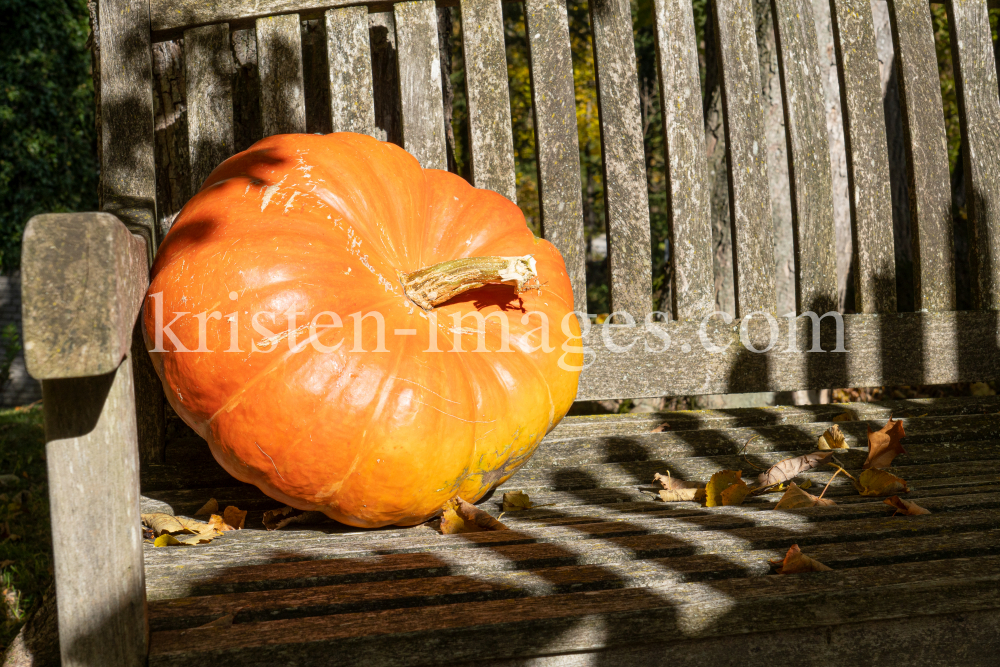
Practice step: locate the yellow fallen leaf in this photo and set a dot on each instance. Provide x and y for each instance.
(796, 562)
(211, 507)
(234, 517)
(795, 497)
(832, 438)
(878, 482)
(166, 540)
(721, 481)
(460, 516)
(806, 484)
(907, 507)
(735, 493)
(514, 501)
(844, 417)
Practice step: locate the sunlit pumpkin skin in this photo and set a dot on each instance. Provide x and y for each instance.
(371, 438)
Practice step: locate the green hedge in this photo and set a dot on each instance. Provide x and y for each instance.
(48, 159)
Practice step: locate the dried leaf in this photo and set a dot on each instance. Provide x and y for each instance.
(719, 483)
(661, 428)
(198, 538)
(234, 517)
(211, 507)
(462, 517)
(907, 507)
(785, 470)
(674, 483)
(514, 501)
(285, 516)
(217, 522)
(165, 540)
(844, 417)
(795, 497)
(878, 482)
(5, 563)
(221, 622)
(884, 445)
(735, 493)
(796, 562)
(696, 494)
(162, 523)
(806, 484)
(832, 438)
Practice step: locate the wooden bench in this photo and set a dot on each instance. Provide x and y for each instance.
(602, 572)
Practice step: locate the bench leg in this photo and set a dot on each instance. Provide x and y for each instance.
(93, 466)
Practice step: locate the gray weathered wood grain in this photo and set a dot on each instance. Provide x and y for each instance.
(904, 349)
(556, 140)
(349, 58)
(420, 82)
(491, 142)
(84, 276)
(93, 477)
(128, 178)
(746, 155)
(626, 198)
(927, 156)
(208, 74)
(687, 166)
(809, 156)
(867, 157)
(171, 15)
(279, 61)
(979, 112)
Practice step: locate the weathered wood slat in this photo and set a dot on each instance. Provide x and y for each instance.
(927, 156)
(349, 58)
(809, 156)
(491, 142)
(208, 71)
(626, 199)
(867, 157)
(903, 349)
(746, 155)
(420, 82)
(128, 174)
(538, 625)
(92, 455)
(279, 61)
(686, 162)
(557, 144)
(979, 112)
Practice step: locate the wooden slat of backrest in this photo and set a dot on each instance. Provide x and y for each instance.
(349, 58)
(927, 156)
(687, 164)
(491, 141)
(128, 172)
(279, 61)
(420, 82)
(626, 200)
(208, 76)
(809, 156)
(867, 157)
(979, 111)
(746, 153)
(556, 140)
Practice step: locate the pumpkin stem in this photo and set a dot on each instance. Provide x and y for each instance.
(436, 284)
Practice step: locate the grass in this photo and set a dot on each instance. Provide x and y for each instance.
(25, 538)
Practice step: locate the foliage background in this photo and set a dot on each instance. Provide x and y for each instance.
(47, 140)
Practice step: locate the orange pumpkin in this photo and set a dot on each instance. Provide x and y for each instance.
(303, 232)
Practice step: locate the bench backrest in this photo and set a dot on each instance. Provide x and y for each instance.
(934, 345)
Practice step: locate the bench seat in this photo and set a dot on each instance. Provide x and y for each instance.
(601, 571)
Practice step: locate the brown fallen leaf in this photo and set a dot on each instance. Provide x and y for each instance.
(715, 491)
(884, 445)
(795, 497)
(162, 523)
(796, 562)
(832, 438)
(217, 522)
(907, 507)
(661, 428)
(844, 417)
(678, 490)
(515, 501)
(211, 507)
(234, 516)
(878, 482)
(286, 516)
(460, 516)
(785, 470)
(173, 530)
